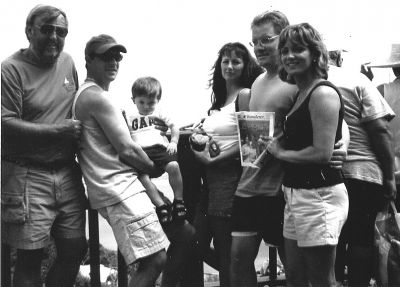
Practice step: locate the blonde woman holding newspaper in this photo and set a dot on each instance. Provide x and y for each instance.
(316, 198)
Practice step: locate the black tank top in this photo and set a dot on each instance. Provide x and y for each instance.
(298, 135)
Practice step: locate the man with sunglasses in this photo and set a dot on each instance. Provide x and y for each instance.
(42, 191)
(111, 161)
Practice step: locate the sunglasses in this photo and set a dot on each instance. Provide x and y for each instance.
(109, 56)
(48, 30)
(263, 41)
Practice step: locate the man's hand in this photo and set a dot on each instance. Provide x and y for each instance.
(70, 128)
(338, 156)
(172, 148)
(367, 71)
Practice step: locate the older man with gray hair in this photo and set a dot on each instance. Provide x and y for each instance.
(42, 192)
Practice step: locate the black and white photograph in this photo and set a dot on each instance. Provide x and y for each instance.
(125, 160)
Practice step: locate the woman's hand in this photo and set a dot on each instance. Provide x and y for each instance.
(203, 156)
(274, 147)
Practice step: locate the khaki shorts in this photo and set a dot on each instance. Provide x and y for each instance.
(315, 217)
(136, 227)
(37, 202)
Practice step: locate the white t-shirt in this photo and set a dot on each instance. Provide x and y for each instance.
(142, 128)
(221, 126)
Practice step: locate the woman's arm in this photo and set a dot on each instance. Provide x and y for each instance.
(324, 109)
(205, 158)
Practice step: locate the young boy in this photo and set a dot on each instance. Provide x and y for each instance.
(146, 93)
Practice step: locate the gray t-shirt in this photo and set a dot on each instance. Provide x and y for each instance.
(363, 103)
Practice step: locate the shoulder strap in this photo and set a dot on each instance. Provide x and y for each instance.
(83, 87)
(341, 111)
(328, 83)
(237, 103)
(237, 107)
(324, 83)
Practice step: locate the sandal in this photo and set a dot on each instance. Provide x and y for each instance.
(164, 214)
(179, 211)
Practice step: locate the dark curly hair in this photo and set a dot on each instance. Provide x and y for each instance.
(251, 71)
(305, 35)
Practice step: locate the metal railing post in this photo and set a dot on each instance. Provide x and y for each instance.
(94, 248)
(5, 265)
(272, 263)
(122, 271)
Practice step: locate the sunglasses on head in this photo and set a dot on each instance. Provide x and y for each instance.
(47, 29)
(109, 56)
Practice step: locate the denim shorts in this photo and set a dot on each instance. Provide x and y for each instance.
(136, 227)
(37, 202)
(315, 217)
(259, 215)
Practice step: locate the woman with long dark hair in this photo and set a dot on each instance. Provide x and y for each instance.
(232, 76)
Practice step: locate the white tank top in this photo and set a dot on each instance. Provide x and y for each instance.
(107, 179)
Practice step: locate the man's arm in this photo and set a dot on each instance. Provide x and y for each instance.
(25, 130)
(113, 124)
(380, 137)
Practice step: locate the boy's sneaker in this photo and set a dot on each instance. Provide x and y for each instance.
(179, 211)
(164, 214)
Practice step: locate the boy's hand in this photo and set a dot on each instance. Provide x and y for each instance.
(160, 125)
(172, 148)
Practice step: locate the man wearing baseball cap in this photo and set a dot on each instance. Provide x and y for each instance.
(110, 163)
(41, 189)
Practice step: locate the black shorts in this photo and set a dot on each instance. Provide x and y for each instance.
(159, 155)
(261, 214)
(365, 200)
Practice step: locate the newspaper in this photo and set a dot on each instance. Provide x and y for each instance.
(254, 130)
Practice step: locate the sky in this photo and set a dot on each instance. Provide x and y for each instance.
(177, 41)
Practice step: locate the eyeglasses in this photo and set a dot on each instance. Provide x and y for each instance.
(263, 41)
(48, 30)
(109, 56)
